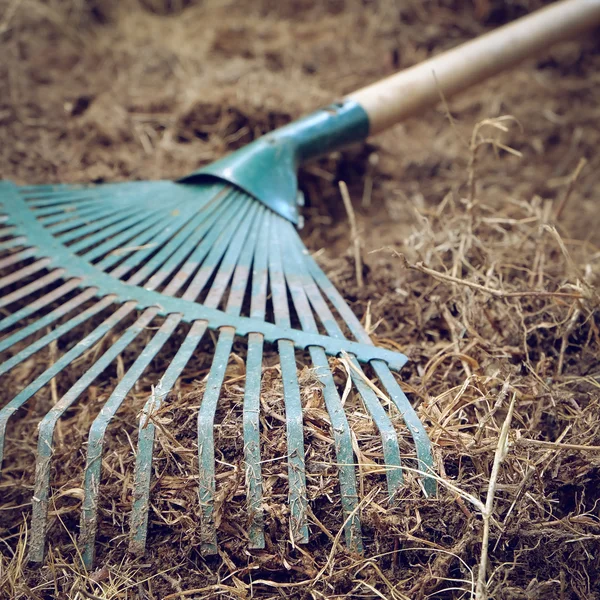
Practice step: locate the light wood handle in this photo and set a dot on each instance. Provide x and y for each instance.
(411, 91)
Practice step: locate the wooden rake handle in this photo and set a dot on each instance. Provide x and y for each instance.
(411, 91)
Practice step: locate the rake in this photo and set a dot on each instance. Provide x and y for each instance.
(218, 250)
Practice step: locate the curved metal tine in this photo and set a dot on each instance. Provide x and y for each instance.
(218, 247)
(89, 518)
(31, 287)
(38, 265)
(137, 223)
(44, 321)
(67, 206)
(291, 394)
(64, 361)
(93, 467)
(115, 237)
(419, 435)
(297, 279)
(389, 438)
(13, 242)
(100, 213)
(238, 253)
(183, 243)
(414, 424)
(47, 197)
(36, 305)
(17, 257)
(251, 417)
(68, 286)
(211, 231)
(48, 423)
(148, 241)
(142, 476)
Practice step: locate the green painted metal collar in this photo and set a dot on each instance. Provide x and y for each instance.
(267, 168)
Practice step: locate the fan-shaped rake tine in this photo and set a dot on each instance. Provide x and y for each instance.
(143, 467)
(414, 424)
(297, 280)
(65, 360)
(93, 467)
(218, 249)
(95, 443)
(146, 433)
(116, 234)
(40, 303)
(239, 254)
(124, 236)
(67, 207)
(420, 437)
(389, 438)
(184, 243)
(24, 272)
(251, 410)
(13, 242)
(92, 218)
(16, 257)
(147, 242)
(212, 232)
(291, 394)
(48, 424)
(34, 286)
(37, 345)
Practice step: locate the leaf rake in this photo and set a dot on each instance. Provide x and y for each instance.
(218, 251)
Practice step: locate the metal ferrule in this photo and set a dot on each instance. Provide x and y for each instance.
(267, 168)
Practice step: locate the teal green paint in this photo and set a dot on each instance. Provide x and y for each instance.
(267, 168)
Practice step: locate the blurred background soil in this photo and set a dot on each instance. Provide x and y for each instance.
(96, 91)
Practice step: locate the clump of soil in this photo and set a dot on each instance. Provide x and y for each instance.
(479, 239)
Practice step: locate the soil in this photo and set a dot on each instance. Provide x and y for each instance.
(467, 217)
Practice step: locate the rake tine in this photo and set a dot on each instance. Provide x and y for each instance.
(182, 244)
(389, 438)
(211, 231)
(142, 476)
(293, 403)
(46, 433)
(12, 243)
(95, 444)
(146, 432)
(53, 335)
(123, 236)
(93, 467)
(147, 242)
(206, 449)
(118, 232)
(208, 407)
(218, 247)
(64, 361)
(251, 412)
(297, 279)
(31, 287)
(36, 305)
(24, 272)
(422, 442)
(16, 257)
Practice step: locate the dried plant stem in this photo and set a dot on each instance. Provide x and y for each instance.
(353, 233)
(570, 187)
(500, 455)
(482, 288)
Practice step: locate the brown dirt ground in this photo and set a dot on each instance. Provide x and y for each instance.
(94, 90)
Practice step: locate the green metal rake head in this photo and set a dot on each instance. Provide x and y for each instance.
(189, 253)
(192, 252)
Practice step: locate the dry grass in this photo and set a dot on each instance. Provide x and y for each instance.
(487, 279)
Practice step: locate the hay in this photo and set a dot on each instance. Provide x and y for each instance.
(480, 247)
